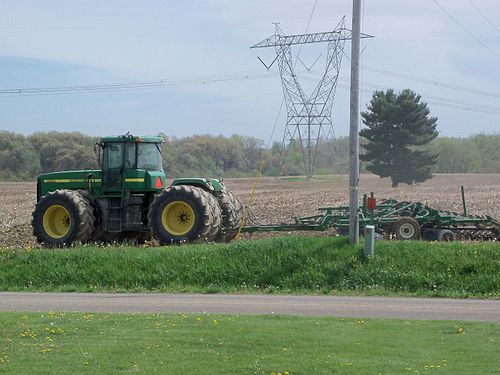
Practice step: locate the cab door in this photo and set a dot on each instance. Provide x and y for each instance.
(112, 171)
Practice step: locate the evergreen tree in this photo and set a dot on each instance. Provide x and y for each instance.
(397, 125)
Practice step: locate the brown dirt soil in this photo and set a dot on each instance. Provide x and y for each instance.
(278, 199)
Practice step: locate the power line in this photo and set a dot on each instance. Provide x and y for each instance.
(483, 15)
(216, 78)
(428, 81)
(310, 17)
(454, 101)
(451, 103)
(466, 30)
(465, 108)
(41, 91)
(275, 123)
(306, 31)
(37, 91)
(431, 82)
(435, 100)
(158, 82)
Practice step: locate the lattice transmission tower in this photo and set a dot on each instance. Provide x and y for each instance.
(309, 117)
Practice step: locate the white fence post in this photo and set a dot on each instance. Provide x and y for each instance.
(369, 240)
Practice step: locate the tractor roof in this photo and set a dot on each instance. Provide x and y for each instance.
(133, 138)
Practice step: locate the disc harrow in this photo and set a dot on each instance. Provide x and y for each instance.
(404, 220)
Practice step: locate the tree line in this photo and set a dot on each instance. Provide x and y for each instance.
(22, 158)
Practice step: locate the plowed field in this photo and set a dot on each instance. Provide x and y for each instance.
(277, 200)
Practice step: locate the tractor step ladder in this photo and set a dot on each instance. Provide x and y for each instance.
(115, 215)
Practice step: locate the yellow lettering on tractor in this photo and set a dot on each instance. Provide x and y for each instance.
(68, 180)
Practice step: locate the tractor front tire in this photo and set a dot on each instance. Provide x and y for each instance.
(407, 228)
(184, 213)
(63, 217)
(232, 216)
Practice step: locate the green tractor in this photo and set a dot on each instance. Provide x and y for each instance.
(128, 197)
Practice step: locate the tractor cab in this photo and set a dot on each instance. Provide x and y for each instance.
(131, 163)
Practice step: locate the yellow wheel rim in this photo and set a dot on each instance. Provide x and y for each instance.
(56, 221)
(178, 218)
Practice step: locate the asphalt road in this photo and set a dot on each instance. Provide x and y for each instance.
(339, 306)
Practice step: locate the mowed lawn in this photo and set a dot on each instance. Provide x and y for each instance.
(78, 343)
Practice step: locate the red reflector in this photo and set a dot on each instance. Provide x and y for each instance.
(158, 183)
(371, 203)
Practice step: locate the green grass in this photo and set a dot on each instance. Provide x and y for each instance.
(78, 343)
(285, 265)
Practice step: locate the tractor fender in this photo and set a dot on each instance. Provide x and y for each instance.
(209, 184)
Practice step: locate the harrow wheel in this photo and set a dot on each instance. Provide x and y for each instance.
(446, 235)
(428, 234)
(478, 235)
(406, 228)
(63, 217)
(184, 213)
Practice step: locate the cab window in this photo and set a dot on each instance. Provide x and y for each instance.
(130, 150)
(149, 157)
(113, 155)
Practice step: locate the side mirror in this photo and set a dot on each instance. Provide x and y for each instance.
(97, 150)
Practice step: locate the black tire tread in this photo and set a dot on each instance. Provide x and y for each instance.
(429, 234)
(210, 213)
(442, 233)
(85, 219)
(232, 215)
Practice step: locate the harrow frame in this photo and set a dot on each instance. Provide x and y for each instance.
(385, 215)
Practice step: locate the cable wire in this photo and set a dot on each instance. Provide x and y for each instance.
(428, 81)
(436, 100)
(207, 80)
(38, 91)
(484, 16)
(465, 29)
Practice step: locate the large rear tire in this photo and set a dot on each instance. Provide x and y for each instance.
(63, 217)
(232, 215)
(184, 213)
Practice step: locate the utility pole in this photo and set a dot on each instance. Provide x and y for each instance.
(354, 126)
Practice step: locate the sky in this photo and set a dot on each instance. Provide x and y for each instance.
(452, 60)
